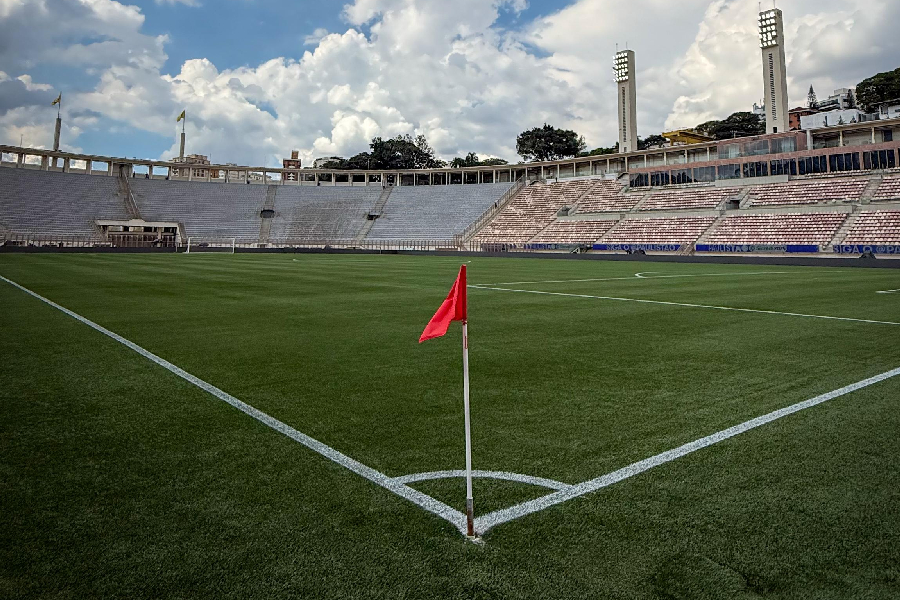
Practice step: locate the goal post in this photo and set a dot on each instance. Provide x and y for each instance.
(198, 245)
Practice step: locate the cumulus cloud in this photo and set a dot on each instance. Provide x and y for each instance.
(446, 70)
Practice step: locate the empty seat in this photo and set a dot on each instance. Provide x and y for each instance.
(875, 227)
(778, 228)
(669, 230)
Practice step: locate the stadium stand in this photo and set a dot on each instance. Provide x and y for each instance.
(808, 192)
(889, 189)
(785, 228)
(207, 210)
(434, 212)
(321, 213)
(533, 209)
(47, 203)
(669, 230)
(607, 196)
(574, 232)
(875, 227)
(696, 199)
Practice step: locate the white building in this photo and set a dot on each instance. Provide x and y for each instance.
(832, 118)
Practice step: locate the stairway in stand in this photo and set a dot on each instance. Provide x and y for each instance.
(267, 214)
(376, 212)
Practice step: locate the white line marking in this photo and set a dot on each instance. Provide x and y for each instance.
(455, 517)
(888, 292)
(538, 481)
(640, 276)
(486, 522)
(685, 304)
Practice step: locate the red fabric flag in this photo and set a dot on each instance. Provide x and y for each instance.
(453, 309)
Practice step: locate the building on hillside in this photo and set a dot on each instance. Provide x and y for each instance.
(320, 162)
(759, 110)
(889, 109)
(841, 99)
(796, 114)
(293, 163)
(832, 118)
(194, 159)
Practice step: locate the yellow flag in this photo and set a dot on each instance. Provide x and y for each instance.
(181, 116)
(58, 100)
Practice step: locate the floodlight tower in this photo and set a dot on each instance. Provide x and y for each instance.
(627, 91)
(771, 41)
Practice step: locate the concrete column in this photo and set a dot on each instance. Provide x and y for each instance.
(708, 154)
(190, 173)
(685, 157)
(841, 139)
(109, 168)
(149, 171)
(494, 180)
(226, 176)
(510, 175)
(645, 161)
(542, 171)
(20, 160)
(665, 158)
(67, 165)
(608, 165)
(415, 177)
(247, 176)
(873, 135)
(208, 175)
(181, 152)
(45, 163)
(333, 179)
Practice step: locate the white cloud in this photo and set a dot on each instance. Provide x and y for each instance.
(444, 69)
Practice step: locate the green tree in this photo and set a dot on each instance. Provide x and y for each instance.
(739, 124)
(651, 141)
(403, 152)
(471, 160)
(877, 89)
(601, 151)
(548, 143)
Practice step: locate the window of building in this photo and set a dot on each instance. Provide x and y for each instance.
(639, 180)
(844, 162)
(757, 148)
(704, 174)
(732, 171)
(659, 178)
(682, 176)
(785, 144)
(756, 169)
(729, 151)
(812, 164)
(783, 167)
(879, 159)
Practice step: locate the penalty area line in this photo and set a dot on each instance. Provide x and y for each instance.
(685, 304)
(486, 522)
(642, 275)
(453, 516)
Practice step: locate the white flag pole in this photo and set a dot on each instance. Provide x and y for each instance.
(470, 504)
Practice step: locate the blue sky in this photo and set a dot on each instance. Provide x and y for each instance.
(468, 74)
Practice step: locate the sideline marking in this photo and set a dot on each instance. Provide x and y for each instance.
(685, 304)
(888, 291)
(642, 275)
(538, 481)
(453, 516)
(486, 522)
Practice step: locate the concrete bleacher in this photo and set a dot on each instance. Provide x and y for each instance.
(808, 192)
(888, 189)
(45, 203)
(434, 212)
(693, 198)
(207, 210)
(666, 230)
(321, 213)
(875, 227)
(574, 232)
(607, 196)
(533, 209)
(778, 228)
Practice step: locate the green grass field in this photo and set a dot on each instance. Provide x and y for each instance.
(120, 479)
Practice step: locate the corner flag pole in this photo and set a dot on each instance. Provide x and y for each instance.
(470, 503)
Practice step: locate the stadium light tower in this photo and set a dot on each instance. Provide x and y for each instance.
(627, 92)
(771, 41)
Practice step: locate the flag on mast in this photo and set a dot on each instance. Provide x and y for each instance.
(57, 101)
(455, 308)
(181, 116)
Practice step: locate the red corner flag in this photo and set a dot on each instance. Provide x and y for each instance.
(453, 309)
